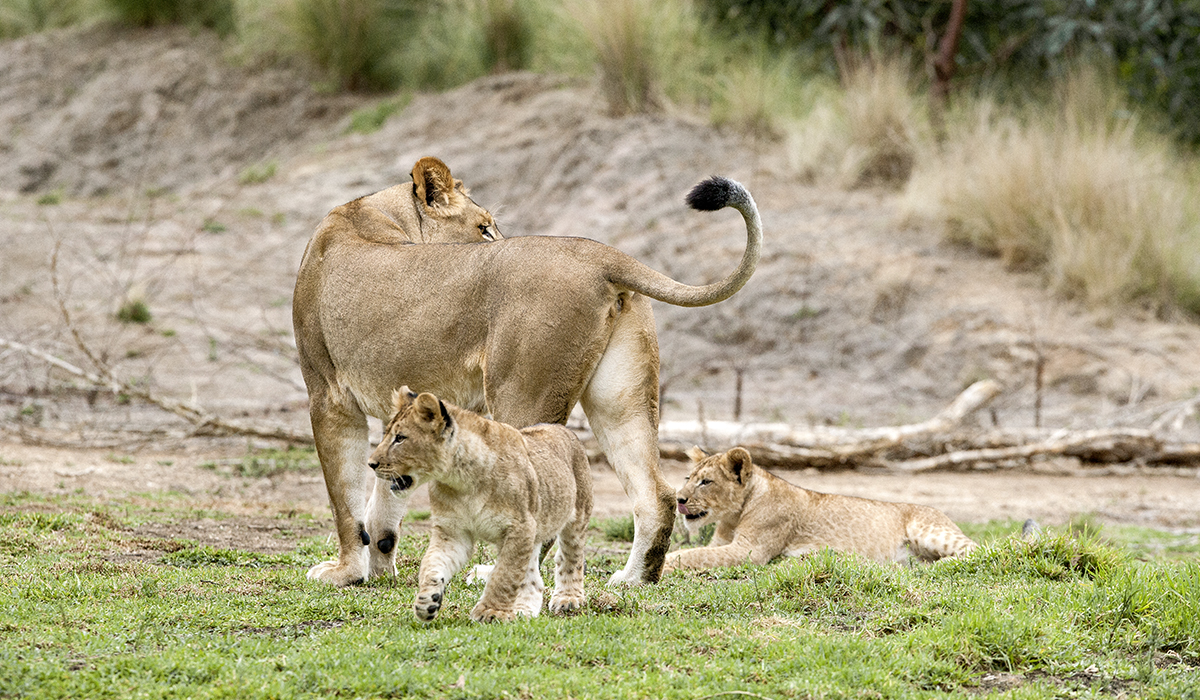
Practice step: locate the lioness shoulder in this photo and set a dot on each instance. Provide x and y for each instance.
(517, 489)
(759, 517)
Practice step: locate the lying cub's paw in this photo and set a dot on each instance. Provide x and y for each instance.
(480, 613)
(427, 605)
(565, 603)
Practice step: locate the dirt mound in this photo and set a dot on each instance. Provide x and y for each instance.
(106, 109)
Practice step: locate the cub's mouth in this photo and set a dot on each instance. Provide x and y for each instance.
(402, 482)
(683, 509)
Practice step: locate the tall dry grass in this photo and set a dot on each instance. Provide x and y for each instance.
(1080, 190)
(867, 131)
(645, 51)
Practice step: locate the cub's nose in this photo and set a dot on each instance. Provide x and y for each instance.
(373, 465)
(681, 500)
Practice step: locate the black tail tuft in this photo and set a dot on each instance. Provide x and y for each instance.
(712, 194)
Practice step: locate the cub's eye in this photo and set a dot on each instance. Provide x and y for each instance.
(488, 231)
(705, 482)
(399, 439)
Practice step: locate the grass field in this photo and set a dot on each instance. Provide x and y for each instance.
(1081, 613)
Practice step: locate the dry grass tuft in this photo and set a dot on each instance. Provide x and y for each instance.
(866, 133)
(1102, 206)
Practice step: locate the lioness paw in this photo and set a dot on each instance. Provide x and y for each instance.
(333, 573)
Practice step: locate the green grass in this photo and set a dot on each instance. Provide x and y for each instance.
(1069, 616)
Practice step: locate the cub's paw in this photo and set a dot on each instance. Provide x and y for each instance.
(427, 605)
(566, 602)
(482, 613)
(338, 574)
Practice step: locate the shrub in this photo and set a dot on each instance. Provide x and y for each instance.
(352, 41)
(214, 14)
(134, 311)
(1080, 192)
(20, 17)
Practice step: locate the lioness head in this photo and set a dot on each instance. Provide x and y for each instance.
(715, 487)
(445, 205)
(414, 442)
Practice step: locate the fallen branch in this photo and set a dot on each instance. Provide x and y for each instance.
(205, 423)
(939, 443)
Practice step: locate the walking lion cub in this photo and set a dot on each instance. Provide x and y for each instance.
(760, 516)
(518, 489)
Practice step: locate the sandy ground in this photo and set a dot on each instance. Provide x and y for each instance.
(193, 184)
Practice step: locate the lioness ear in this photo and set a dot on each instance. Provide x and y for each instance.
(739, 462)
(696, 453)
(433, 184)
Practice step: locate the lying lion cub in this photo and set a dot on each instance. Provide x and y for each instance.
(760, 516)
(518, 489)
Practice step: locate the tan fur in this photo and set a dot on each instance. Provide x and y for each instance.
(517, 489)
(522, 328)
(760, 516)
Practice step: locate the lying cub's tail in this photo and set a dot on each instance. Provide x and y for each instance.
(710, 195)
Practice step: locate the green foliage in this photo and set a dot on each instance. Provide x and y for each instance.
(218, 15)
(354, 42)
(368, 120)
(21, 17)
(272, 462)
(619, 529)
(1154, 44)
(84, 619)
(258, 173)
(134, 311)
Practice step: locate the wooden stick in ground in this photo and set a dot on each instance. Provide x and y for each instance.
(206, 423)
(1095, 445)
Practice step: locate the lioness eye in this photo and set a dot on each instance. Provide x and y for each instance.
(487, 232)
(705, 482)
(399, 439)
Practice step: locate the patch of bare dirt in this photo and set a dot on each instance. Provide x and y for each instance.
(854, 317)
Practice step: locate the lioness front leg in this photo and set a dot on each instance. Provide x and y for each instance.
(510, 575)
(447, 553)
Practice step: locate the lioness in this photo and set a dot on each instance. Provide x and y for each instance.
(518, 489)
(521, 328)
(760, 516)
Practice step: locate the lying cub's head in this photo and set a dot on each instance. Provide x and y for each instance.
(414, 441)
(715, 488)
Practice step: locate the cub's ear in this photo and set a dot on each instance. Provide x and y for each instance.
(431, 411)
(402, 398)
(738, 461)
(433, 184)
(696, 453)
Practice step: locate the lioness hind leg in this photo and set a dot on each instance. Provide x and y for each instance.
(340, 434)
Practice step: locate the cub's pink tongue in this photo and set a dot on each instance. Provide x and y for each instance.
(682, 509)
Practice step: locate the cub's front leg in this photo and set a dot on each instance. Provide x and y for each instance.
(508, 577)
(447, 553)
(732, 554)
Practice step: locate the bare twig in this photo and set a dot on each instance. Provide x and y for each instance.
(205, 423)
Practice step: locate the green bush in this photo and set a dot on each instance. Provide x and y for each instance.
(354, 42)
(21, 17)
(215, 14)
(1153, 44)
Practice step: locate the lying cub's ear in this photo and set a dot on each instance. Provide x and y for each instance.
(432, 412)
(696, 453)
(433, 184)
(738, 460)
